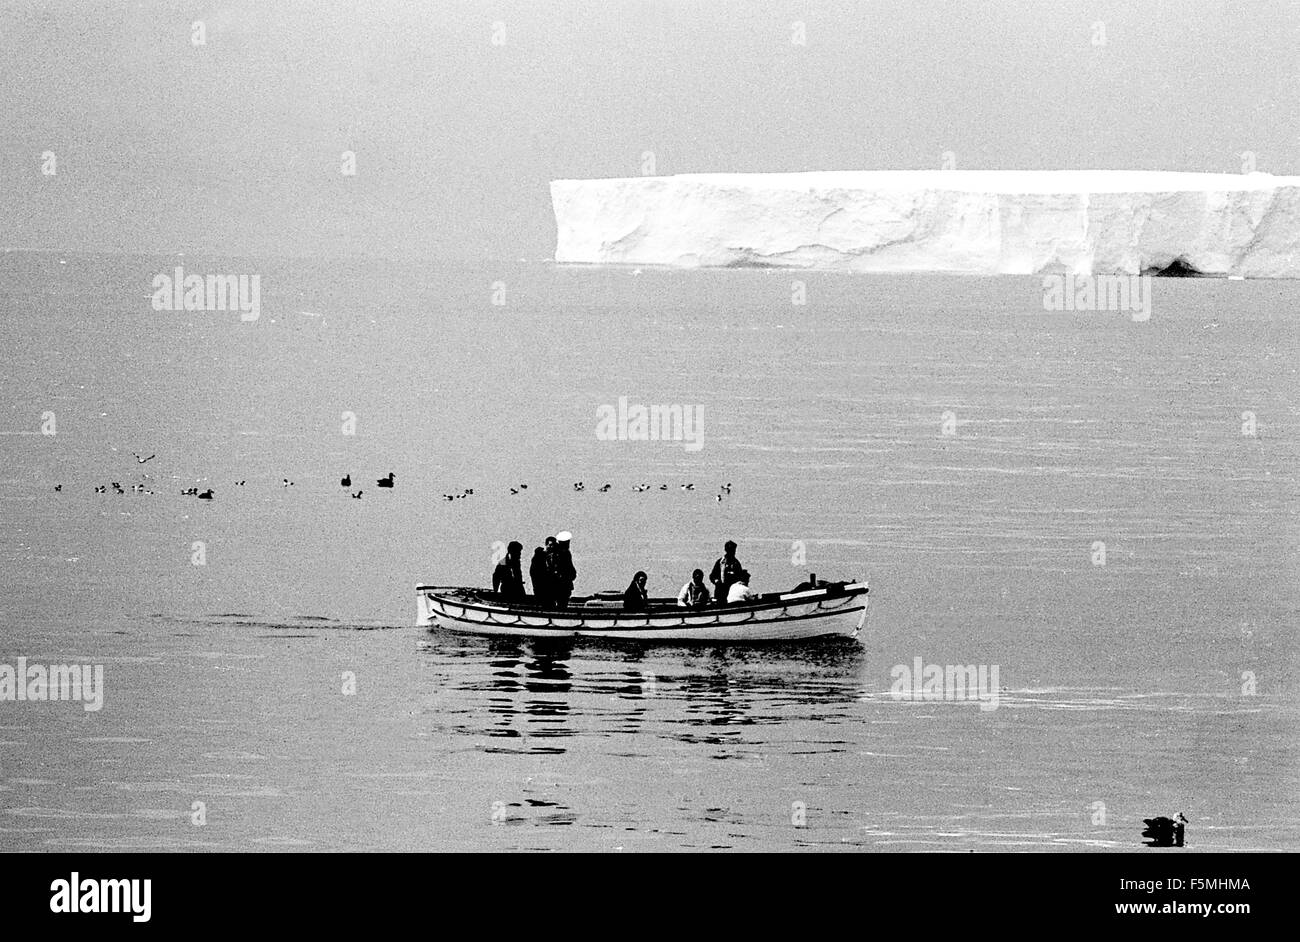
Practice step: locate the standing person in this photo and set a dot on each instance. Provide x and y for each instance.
(726, 571)
(507, 577)
(694, 594)
(635, 598)
(540, 575)
(563, 574)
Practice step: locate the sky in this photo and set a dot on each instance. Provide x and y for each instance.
(459, 114)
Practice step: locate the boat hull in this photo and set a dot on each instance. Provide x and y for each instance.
(790, 617)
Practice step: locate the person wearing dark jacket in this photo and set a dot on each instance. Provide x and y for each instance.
(635, 598)
(540, 576)
(725, 573)
(562, 572)
(506, 578)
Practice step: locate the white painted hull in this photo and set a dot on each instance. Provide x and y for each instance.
(785, 617)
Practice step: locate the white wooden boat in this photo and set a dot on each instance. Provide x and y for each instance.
(838, 608)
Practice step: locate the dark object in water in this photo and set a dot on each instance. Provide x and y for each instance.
(206, 495)
(1178, 268)
(386, 482)
(347, 481)
(1164, 832)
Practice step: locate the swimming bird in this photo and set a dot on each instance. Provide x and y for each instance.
(241, 483)
(347, 480)
(100, 489)
(663, 487)
(579, 486)
(718, 498)
(386, 482)
(603, 488)
(514, 490)
(523, 487)
(448, 497)
(688, 487)
(206, 495)
(726, 488)
(118, 488)
(58, 487)
(1164, 832)
(357, 495)
(287, 483)
(143, 460)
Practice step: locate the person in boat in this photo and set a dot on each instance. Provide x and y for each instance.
(635, 598)
(561, 570)
(507, 578)
(540, 576)
(694, 594)
(741, 592)
(726, 570)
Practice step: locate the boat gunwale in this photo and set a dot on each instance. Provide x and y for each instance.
(677, 614)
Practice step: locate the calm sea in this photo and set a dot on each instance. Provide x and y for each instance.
(1104, 510)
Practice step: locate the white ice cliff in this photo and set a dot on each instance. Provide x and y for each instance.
(986, 222)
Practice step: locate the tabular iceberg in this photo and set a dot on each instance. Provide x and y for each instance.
(984, 222)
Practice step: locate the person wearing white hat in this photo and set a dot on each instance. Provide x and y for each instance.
(561, 569)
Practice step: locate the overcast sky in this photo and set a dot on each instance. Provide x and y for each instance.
(234, 146)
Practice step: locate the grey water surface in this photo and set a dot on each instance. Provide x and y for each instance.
(278, 696)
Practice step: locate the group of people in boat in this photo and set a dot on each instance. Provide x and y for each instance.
(553, 574)
(551, 571)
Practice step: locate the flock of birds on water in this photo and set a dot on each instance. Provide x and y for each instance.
(388, 482)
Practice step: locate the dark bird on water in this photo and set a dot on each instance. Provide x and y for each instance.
(100, 489)
(603, 488)
(288, 483)
(241, 483)
(357, 495)
(1164, 832)
(143, 460)
(514, 490)
(206, 495)
(579, 486)
(347, 480)
(58, 487)
(386, 482)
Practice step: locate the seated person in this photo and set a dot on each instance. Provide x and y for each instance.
(634, 596)
(741, 592)
(694, 594)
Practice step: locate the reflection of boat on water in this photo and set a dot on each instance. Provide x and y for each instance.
(837, 608)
